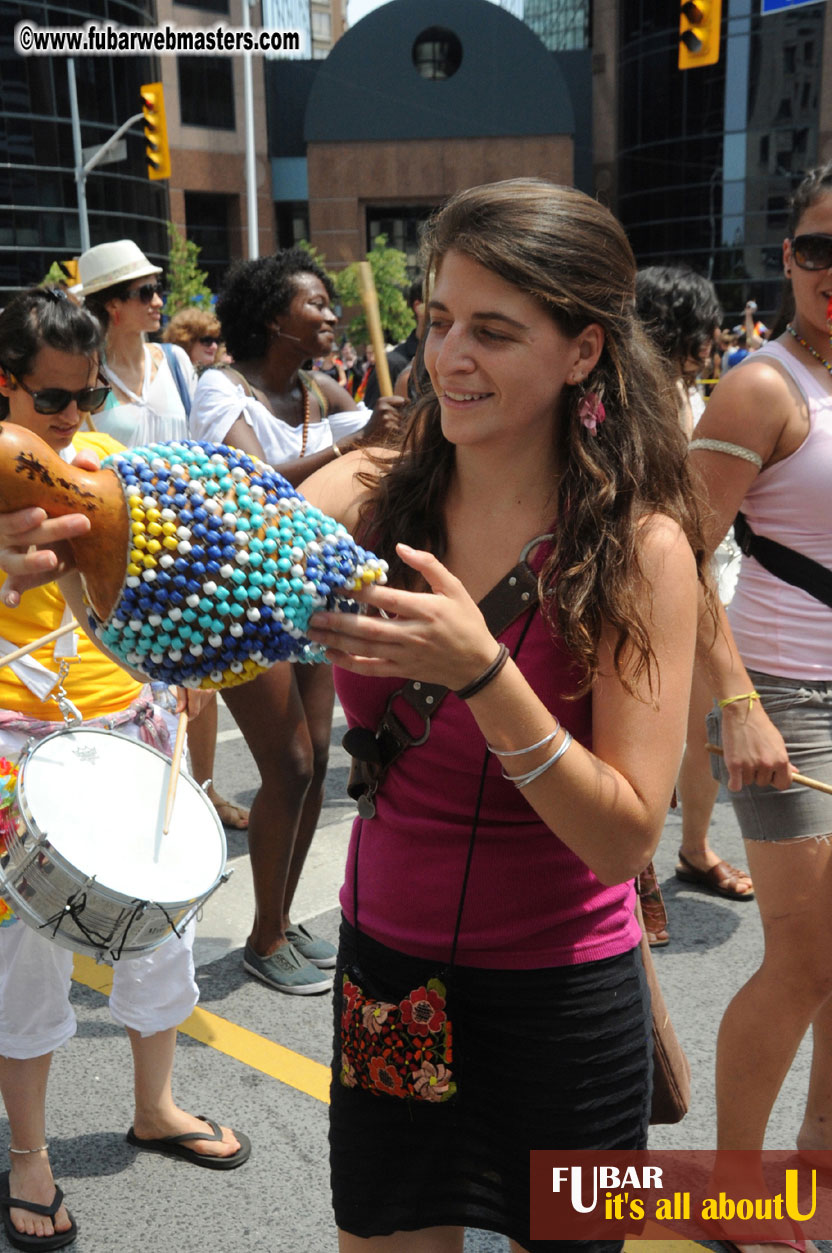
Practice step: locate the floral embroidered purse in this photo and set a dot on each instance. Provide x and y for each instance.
(402, 1050)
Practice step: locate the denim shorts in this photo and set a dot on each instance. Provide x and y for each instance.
(801, 709)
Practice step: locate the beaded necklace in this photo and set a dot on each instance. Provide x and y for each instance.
(306, 414)
(827, 364)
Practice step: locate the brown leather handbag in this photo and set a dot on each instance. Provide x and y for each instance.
(671, 1068)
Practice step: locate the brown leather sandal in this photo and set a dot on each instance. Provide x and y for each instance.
(723, 879)
(653, 908)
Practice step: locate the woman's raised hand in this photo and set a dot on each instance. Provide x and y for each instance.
(385, 424)
(436, 637)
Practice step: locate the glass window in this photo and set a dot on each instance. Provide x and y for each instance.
(213, 6)
(208, 217)
(777, 211)
(321, 25)
(206, 92)
(563, 25)
(437, 53)
(401, 226)
(292, 221)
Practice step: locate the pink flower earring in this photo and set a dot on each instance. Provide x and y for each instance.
(591, 411)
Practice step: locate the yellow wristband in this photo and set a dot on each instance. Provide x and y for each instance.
(336, 450)
(732, 700)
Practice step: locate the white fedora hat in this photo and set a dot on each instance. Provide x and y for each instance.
(106, 265)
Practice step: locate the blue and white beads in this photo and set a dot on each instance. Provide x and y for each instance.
(227, 563)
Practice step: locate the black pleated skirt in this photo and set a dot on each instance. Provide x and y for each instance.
(558, 1058)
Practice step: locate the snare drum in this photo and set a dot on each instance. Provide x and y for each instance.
(85, 862)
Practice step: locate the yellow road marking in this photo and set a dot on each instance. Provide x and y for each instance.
(298, 1071)
(226, 1037)
(661, 1246)
(659, 1239)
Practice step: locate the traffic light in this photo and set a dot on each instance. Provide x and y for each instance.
(699, 22)
(155, 131)
(69, 269)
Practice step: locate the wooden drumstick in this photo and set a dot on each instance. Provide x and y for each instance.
(369, 299)
(798, 778)
(44, 639)
(175, 767)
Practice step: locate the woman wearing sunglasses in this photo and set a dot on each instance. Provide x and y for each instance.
(197, 332)
(49, 377)
(764, 447)
(150, 394)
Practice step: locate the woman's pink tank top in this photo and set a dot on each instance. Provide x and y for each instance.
(779, 628)
(530, 902)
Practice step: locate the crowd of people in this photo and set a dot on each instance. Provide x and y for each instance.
(556, 503)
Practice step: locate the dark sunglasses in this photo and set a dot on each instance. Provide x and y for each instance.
(812, 252)
(208, 340)
(52, 400)
(145, 293)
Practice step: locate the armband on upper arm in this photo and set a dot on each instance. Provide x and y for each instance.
(732, 450)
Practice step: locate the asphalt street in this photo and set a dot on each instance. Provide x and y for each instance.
(263, 1068)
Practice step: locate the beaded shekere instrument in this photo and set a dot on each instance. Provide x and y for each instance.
(202, 566)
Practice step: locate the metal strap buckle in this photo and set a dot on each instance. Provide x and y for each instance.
(70, 712)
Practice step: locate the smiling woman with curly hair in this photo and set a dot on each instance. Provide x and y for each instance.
(198, 332)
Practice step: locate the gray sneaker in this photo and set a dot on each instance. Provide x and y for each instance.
(286, 971)
(313, 948)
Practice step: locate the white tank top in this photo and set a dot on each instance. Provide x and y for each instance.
(779, 628)
(154, 416)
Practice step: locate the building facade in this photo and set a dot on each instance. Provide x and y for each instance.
(205, 101)
(417, 100)
(699, 165)
(39, 215)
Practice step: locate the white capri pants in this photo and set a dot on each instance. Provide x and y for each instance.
(150, 993)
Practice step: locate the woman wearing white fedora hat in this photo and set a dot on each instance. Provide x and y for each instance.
(150, 399)
(149, 402)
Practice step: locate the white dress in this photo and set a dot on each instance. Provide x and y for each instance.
(156, 414)
(219, 401)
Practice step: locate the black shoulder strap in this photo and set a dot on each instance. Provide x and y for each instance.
(784, 563)
(374, 752)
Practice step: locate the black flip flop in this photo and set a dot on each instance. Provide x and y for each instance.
(176, 1146)
(18, 1239)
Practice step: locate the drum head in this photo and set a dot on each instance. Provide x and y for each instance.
(99, 798)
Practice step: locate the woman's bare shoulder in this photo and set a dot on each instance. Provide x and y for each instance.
(755, 405)
(338, 398)
(663, 544)
(342, 486)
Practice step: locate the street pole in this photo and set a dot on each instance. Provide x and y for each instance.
(80, 173)
(251, 171)
(83, 168)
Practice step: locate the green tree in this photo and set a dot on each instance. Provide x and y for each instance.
(56, 277)
(316, 255)
(186, 283)
(389, 266)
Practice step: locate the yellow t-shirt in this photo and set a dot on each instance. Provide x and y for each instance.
(96, 685)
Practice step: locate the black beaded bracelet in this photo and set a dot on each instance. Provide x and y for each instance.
(482, 680)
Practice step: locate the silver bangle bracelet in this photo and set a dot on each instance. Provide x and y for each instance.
(521, 752)
(523, 780)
